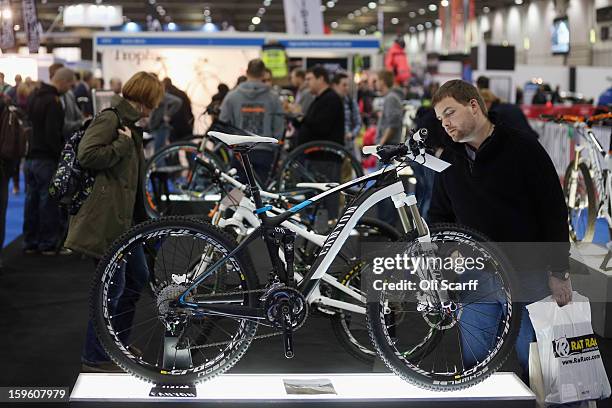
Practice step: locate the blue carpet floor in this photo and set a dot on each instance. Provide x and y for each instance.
(14, 212)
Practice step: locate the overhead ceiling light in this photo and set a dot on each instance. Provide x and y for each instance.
(412, 14)
(357, 13)
(420, 27)
(206, 12)
(334, 24)
(362, 32)
(432, 7)
(372, 5)
(444, 3)
(421, 11)
(323, 8)
(412, 29)
(210, 28)
(17, 27)
(394, 20)
(365, 9)
(518, 2)
(330, 4)
(438, 22)
(261, 11)
(256, 20)
(251, 27)
(350, 16)
(485, 9)
(172, 26)
(427, 24)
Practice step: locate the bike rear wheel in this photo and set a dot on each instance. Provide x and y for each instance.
(310, 163)
(440, 348)
(581, 202)
(174, 183)
(144, 332)
(351, 328)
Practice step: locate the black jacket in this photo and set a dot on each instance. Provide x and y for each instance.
(181, 121)
(511, 116)
(47, 116)
(324, 119)
(511, 193)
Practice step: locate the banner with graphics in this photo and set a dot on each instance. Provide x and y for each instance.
(7, 35)
(30, 25)
(198, 72)
(303, 16)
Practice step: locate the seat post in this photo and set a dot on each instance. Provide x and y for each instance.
(246, 163)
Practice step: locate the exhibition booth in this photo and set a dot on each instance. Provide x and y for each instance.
(197, 62)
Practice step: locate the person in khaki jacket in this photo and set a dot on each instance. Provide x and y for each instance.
(115, 154)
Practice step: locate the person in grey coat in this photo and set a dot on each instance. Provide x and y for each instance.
(73, 117)
(159, 122)
(253, 107)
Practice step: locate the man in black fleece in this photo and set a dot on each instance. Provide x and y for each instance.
(325, 117)
(504, 185)
(323, 121)
(41, 224)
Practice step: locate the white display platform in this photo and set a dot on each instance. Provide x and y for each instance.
(266, 387)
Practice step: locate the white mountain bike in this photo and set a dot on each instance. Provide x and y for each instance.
(208, 311)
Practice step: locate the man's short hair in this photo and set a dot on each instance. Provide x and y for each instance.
(482, 82)
(463, 92)
(299, 72)
(319, 72)
(338, 77)
(63, 74)
(53, 68)
(386, 77)
(87, 76)
(256, 68)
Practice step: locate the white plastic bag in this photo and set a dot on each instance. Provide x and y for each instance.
(572, 369)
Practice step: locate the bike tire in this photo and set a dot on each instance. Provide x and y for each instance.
(589, 232)
(405, 368)
(284, 181)
(102, 317)
(341, 320)
(153, 204)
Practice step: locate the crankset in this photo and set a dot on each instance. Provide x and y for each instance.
(285, 309)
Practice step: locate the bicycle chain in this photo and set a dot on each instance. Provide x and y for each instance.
(221, 343)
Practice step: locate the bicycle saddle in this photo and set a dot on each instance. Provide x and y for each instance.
(233, 140)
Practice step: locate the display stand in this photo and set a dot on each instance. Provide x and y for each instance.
(316, 389)
(592, 277)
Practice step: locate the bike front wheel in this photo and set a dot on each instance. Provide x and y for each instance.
(580, 198)
(447, 346)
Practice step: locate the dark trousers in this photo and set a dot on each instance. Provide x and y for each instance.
(129, 282)
(41, 221)
(4, 192)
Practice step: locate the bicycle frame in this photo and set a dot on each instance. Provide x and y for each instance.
(601, 175)
(392, 188)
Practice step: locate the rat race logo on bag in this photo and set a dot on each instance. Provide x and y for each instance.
(564, 347)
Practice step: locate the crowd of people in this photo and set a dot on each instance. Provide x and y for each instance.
(460, 118)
